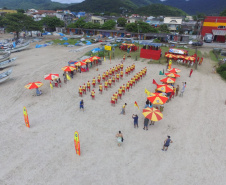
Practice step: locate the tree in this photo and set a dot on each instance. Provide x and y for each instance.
(90, 25)
(51, 23)
(121, 21)
(17, 22)
(20, 11)
(140, 27)
(163, 28)
(223, 13)
(108, 25)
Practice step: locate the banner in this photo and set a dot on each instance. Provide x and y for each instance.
(26, 117)
(68, 77)
(147, 92)
(77, 143)
(107, 48)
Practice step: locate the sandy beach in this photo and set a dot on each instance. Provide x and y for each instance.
(45, 153)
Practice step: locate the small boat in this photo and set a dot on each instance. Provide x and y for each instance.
(4, 76)
(19, 47)
(4, 56)
(7, 63)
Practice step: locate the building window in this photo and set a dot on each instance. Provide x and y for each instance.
(221, 27)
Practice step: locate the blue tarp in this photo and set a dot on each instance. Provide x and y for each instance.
(61, 34)
(88, 43)
(76, 44)
(71, 62)
(95, 50)
(40, 45)
(66, 43)
(65, 38)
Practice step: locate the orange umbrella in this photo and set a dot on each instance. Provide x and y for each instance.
(168, 80)
(175, 70)
(80, 64)
(169, 55)
(179, 56)
(68, 68)
(51, 76)
(153, 114)
(172, 75)
(190, 58)
(33, 85)
(165, 88)
(157, 98)
(88, 60)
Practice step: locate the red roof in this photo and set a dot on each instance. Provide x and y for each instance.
(215, 19)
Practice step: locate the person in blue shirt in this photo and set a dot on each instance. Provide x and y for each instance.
(166, 143)
(82, 105)
(135, 118)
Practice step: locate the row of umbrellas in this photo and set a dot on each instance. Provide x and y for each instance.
(35, 85)
(180, 57)
(159, 98)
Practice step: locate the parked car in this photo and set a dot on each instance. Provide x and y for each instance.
(198, 43)
(208, 38)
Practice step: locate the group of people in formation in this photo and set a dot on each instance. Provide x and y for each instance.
(122, 89)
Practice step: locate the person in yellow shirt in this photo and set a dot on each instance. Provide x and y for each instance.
(127, 86)
(124, 57)
(133, 79)
(143, 72)
(123, 89)
(131, 83)
(140, 74)
(84, 89)
(117, 77)
(88, 86)
(99, 79)
(136, 78)
(94, 82)
(121, 74)
(80, 91)
(113, 79)
(174, 90)
(110, 72)
(129, 70)
(113, 100)
(93, 94)
(116, 97)
(113, 71)
(106, 85)
(101, 88)
(120, 92)
(123, 109)
(116, 69)
(106, 74)
(121, 66)
(103, 76)
(126, 71)
(109, 82)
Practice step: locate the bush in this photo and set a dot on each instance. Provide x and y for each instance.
(156, 41)
(222, 71)
(101, 54)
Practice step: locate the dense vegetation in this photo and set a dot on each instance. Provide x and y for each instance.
(159, 9)
(223, 13)
(27, 4)
(222, 71)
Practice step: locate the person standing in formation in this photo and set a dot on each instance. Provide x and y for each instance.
(101, 88)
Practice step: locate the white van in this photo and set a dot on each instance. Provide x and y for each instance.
(208, 37)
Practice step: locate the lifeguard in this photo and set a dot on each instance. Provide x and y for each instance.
(106, 74)
(131, 83)
(121, 74)
(113, 79)
(109, 82)
(121, 66)
(94, 82)
(116, 97)
(113, 70)
(106, 85)
(93, 94)
(127, 86)
(127, 71)
(113, 100)
(99, 79)
(123, 89)
(117, 77)
(103, 76)
(116, 69)
(120, 92)
(124, 57)
(101, 88)
(110, 72)
(133, 79)
(136, 78)
(80, 91)
(84, 89)
(88, 86)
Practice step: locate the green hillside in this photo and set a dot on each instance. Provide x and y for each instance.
(27, 4)
(159, 9)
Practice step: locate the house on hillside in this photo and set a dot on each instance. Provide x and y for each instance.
(215, 25)
(37, 15)
(188, 27)
(134, 19)
(66, 16)
(173, 23)
(98, 19)
(155, 22)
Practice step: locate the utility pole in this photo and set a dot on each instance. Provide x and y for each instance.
(196, 65)
(138, 32)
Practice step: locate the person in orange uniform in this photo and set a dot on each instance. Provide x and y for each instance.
(121, 66)
(103, 76)
(101, 88)
(121, 74)
(116, 97)
(131, 83)
(113, 100)
(124, 57)
(88, 86)
(93, 94)
(99, 79)
(80, 91)
(127, 86)
(109, 82)
(126, 71)
(106, 74)
(117, 77)
(113, 79)
(129, 70)
(123, 89)
(113, 71)
(120, 92)
(106, 85)
(84, 89)
(94, 82)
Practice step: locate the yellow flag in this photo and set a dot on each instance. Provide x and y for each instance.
(51, 86)
(107, 48)
(104, 59)
(147, 92)
(68, 77)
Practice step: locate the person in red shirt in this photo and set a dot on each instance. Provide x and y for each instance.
(191, 72)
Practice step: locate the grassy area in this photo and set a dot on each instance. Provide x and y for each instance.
(70, 41)
(213, 56)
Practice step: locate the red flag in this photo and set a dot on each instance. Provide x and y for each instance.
(135, 104)
(154, 82)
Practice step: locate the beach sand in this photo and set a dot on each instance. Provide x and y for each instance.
(45, 152)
